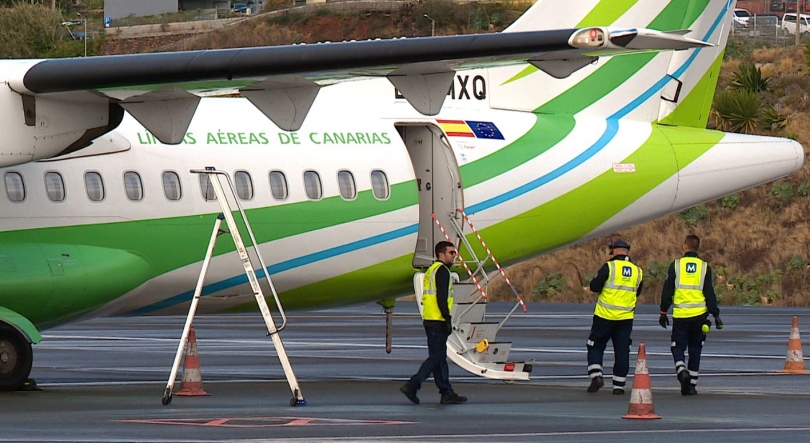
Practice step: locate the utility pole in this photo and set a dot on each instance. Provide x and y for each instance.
(432, 25)
(84, 20)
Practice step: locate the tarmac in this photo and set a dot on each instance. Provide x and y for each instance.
(103, 381)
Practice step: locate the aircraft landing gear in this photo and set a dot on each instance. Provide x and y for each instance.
(16, 357)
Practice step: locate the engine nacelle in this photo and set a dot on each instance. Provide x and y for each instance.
(35, 127)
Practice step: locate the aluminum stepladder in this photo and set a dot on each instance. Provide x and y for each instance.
(214, 178)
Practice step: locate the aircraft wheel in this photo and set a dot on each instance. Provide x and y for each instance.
(16, 358)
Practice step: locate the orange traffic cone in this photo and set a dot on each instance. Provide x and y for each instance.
(641, 405)
(191, 383)
(794, 361)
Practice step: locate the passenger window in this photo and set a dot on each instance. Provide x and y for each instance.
(244, 185)
(278, 185)
(379, 185)
(312, 184)
(15, 186)
(133, 186)
(171, 185)
(94, 186)
(55, 186)
(207, 188)
(348, 190)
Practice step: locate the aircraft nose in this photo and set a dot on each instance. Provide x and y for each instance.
(734, 163)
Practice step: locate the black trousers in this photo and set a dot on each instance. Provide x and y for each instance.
(687, 334)
(617, 331)
(436, 363)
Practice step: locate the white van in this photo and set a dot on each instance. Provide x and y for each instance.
(789, 23)
(741, 17)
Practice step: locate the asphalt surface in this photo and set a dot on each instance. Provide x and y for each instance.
(103, 381)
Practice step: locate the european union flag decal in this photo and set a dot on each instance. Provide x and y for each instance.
(485, 130)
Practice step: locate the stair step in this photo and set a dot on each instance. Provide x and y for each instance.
(468, 312)
(496, 353)
(473, 333)
(465, 292)
(516, 367)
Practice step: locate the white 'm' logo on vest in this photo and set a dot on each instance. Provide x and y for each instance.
(691, 268)
(627, 271)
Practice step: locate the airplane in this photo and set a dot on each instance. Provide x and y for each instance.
(580, 119)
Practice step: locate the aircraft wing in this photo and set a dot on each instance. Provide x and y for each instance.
(161, 90)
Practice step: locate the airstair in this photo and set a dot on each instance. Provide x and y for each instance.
(473, 344)
(214, 177)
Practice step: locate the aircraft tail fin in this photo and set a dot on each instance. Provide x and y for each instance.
(674, 88)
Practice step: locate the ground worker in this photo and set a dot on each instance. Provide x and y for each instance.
(688, 288)
(437, 302)
(618, 284)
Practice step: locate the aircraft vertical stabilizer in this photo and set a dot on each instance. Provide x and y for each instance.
(687, 98)
(672, 87)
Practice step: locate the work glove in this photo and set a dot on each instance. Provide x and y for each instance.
(718, 324)
(663, 320)
(448, 323)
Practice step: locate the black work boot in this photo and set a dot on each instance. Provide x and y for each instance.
(686, 382)
(618, 391)
(410, 393)
(596, 383)
(453, 399)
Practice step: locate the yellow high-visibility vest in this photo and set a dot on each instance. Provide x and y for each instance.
(617, 301)
(430, 307)
(690, 276)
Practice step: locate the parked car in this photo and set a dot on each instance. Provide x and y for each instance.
(239, 8)
(789, 23)
(741, 17)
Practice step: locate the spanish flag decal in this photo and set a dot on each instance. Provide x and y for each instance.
(471, 129)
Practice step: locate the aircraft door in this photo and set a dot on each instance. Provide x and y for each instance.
(439, 185)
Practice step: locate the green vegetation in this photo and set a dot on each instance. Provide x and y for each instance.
(751, 289)
(737, 110)
(739, 49)
(35, 31)
(749, 78)
(695, 215)
(797, 263)
(782, 191)
(550, 286)
(730, 201)
(773, 121)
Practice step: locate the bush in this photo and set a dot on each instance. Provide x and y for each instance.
(797, 263)
(730, 201)
(783, 191)
(550, 286)
(693, 216)
(749, 78)
(739, 49)
(28, 31)
(773, 120)
(804, 189)
(737, 110)
(750, 289)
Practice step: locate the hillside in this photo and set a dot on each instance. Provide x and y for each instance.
(758, 241)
